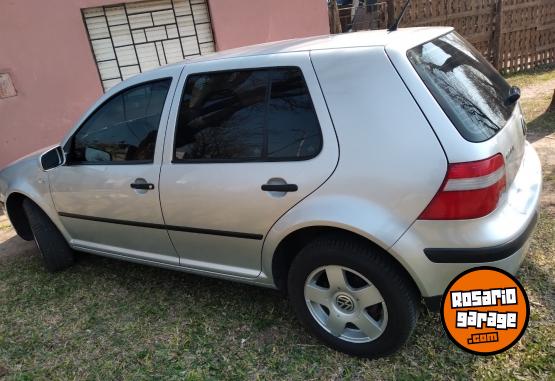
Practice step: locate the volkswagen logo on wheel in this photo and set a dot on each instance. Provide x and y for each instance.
(345, 303)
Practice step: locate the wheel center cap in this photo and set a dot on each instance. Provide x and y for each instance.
(344, 303)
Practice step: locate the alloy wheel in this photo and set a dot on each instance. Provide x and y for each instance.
(345, 304)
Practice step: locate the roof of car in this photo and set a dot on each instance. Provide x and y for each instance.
(402, 38)
(336, 41)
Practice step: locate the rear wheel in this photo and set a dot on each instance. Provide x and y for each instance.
(352, 297)
(56, 253)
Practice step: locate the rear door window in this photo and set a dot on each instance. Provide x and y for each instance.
(247, 115)
(469, 90)
(222, 116)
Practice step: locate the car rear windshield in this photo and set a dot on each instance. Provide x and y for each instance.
(468, 89)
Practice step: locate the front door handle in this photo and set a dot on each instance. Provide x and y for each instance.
(144, 186)
(280, 187)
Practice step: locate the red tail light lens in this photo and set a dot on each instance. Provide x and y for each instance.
(470, 190)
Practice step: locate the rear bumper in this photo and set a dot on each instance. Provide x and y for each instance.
(516, 248)
(434, 252)
(482, 254)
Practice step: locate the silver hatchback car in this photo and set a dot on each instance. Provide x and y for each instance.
(359, 173)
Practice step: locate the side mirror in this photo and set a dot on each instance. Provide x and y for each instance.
(52, 158)
(514, 96)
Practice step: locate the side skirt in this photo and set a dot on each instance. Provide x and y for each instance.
(262, 280)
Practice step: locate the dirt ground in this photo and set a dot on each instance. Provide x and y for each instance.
(537, 92)
(12, 247)
(545, 146)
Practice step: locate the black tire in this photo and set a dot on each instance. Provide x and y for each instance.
(399, 295)
(56, 253)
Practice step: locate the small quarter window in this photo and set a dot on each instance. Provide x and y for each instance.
(123, 129)
(247, 115)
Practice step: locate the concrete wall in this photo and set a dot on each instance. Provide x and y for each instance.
(45, 48)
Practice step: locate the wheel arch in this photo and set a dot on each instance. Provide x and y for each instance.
(17, 216)
(290, 246)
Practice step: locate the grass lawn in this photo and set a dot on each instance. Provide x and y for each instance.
(105, 319)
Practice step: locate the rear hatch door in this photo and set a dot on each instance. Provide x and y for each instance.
(469, 95)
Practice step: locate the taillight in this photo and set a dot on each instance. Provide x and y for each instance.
(470, 190)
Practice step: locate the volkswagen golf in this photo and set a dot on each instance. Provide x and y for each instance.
(358, 173)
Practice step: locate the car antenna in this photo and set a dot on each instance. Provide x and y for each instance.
(395, 24)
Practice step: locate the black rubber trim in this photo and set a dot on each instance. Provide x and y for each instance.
(433, 303)
(223, 233)
(482, 254)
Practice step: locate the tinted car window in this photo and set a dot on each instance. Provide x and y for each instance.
(123, 129)
(247, 115)
(470, 91)
(293, 129)
(222, 116)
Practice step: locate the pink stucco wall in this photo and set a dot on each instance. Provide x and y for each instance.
(246, 22)
(44, 47)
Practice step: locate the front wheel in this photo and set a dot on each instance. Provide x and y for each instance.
(56, 253)
(352, 297)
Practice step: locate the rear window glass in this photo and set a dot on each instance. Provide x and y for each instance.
(470, 91)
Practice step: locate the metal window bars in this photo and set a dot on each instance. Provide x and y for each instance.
(130, 38)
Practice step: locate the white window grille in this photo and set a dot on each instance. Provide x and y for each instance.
(131, 38)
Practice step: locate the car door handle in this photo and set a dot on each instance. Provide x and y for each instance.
(145, 186)
(280, 187)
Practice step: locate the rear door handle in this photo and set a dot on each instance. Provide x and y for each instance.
(145, 186)
(280, 187)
